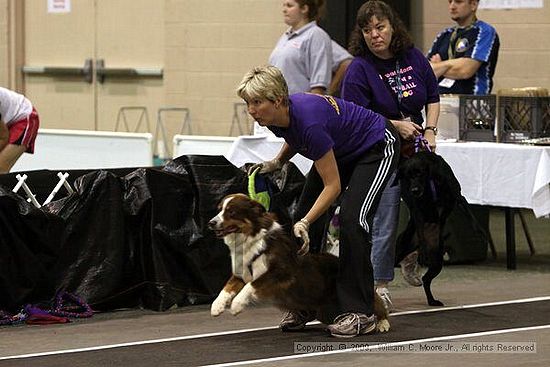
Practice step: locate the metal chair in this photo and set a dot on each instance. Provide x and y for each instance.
(240, 114)
(122, 116)
(161, 128)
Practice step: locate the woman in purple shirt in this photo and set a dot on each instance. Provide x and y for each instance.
(353, 149)
(390, 76)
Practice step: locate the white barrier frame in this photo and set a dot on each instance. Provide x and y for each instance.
(201, 145)
(62, 182)
(57, 149)
(31, 198)
(22, 184)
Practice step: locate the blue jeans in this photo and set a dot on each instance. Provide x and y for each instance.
(384, 232)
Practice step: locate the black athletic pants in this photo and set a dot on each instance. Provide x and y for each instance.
(362, 184)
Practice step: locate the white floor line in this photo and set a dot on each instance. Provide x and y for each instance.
(232, 332)
(141, 342)
(377, 345)
(462, 307)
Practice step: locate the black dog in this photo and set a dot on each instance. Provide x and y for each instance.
(431, 191)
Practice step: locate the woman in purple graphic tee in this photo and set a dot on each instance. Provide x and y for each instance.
(390, 76)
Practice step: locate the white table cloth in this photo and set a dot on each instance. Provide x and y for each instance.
(260, 148)
(496, 174)
(499, 174)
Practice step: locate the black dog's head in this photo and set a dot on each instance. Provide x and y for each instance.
(427, 175)
(415, 174)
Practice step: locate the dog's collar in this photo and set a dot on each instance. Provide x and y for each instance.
(254, 258)
(274, 227)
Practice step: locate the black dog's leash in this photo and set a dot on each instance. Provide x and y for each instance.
(421, 143)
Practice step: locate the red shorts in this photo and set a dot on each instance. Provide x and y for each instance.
(24, 131)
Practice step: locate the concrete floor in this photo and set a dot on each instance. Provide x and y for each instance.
(457, 285)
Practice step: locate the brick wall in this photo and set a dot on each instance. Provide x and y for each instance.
(524, 40)
(4, 36)
(210, 44)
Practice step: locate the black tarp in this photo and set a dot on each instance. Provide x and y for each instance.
(29, 248)
(127, 238)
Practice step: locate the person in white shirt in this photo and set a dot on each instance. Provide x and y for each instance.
(18, 127)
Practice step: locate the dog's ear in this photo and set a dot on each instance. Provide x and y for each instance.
(258, 208)
(436, 165)
(432, 167)
(428, 164)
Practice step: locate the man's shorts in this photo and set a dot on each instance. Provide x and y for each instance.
(24, 131)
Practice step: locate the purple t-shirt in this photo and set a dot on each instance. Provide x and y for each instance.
(319, 123)
(373, 83)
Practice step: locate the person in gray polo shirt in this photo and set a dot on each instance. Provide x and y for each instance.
(304, 51)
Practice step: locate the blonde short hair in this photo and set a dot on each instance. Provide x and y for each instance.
(263, 82)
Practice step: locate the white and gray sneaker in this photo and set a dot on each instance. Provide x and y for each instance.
(296, 320)
(384, 293)
(410, 269)
(351, 324)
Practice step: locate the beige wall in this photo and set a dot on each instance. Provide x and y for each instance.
(4, 36)
(210, 44)
(524, 41)
(10, 34)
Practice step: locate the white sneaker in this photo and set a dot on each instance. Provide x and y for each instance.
(296, 320)
(384, 293)
(352, 324)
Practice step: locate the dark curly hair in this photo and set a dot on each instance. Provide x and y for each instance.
(401, 39)
(316, 8)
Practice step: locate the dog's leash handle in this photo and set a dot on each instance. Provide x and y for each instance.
(420, 142)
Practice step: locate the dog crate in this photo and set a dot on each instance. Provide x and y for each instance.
(522, 118)
(477, 117)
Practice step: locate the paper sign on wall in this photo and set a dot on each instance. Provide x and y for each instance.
(59, 6)
(510, 4)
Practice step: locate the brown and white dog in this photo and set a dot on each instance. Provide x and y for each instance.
(266, 267)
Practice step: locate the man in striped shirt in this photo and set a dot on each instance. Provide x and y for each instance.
(464, 56)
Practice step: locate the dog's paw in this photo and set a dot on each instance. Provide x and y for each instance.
(217, 308)
(240, 302)
(237, 307)
(435, 302)
(243, 299)
(383, 326)
(220, 303)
